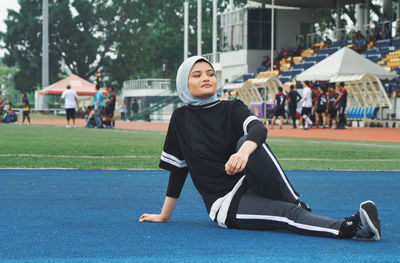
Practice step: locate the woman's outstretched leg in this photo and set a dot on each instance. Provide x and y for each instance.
(255, 212)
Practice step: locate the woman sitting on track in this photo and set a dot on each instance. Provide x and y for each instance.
(242, 184)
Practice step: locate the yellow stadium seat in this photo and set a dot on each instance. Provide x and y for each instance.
(297, 59)
(285, 66)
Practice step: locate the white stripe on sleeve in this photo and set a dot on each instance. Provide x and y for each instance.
(169, 158)
(247, 121)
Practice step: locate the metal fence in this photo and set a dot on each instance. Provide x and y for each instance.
(146, 84)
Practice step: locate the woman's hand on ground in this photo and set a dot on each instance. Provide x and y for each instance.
(153, 218)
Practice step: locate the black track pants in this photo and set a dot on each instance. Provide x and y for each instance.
(270, 200)
(265, 176)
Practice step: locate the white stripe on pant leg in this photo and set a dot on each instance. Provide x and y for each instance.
(280, 170)
(289, 222)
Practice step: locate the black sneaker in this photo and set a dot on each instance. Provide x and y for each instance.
(303, 205)
(348, 229)
(364, 224)
(370, 225)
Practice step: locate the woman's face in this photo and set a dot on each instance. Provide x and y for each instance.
(202, 81)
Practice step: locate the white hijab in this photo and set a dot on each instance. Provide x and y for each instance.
(182, 79)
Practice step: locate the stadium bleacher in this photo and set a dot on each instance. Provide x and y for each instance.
(290, 67)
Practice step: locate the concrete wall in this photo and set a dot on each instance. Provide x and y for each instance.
(233, 64)
(288, 25)
(255, 58)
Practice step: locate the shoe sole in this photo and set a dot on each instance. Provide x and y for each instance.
(369, 214)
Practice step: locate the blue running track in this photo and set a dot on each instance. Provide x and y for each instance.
(92, 216)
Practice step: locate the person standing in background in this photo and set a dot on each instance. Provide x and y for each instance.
(122, 111)
(320, 103)
(71, 102)
(135, 107)
(293, 98)
(307, 105)
(110, 105)
(26, 110)
(332, 112)
(98, 107)
(341, 103)
(279, 110)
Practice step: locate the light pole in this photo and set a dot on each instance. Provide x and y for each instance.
(45, 45)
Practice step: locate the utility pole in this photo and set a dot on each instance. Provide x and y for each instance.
(199, 27)
(214, 32)
(186, 30)
(45, 45)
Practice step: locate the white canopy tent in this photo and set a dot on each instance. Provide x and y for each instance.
(344, 62)
(362, 78)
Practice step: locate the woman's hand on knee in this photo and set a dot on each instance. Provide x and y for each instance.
(236, 163)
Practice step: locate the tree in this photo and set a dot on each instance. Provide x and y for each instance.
(128, 39)
(75, 42)
(153, 36)
(7, 83)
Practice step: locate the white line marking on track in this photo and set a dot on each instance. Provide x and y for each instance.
(81, 156)
(332, 142)
(339, 160)
(156, 156)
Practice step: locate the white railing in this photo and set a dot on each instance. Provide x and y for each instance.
(146, 84)
(210, 57)
(312, 39)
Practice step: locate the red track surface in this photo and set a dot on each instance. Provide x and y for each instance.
(354, 134)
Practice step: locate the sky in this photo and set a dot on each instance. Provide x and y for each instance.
(4, 5)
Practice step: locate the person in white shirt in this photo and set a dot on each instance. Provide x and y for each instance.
(71, 102)
(307, 105)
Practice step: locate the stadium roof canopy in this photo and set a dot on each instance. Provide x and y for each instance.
(82, 87)
(311, 3)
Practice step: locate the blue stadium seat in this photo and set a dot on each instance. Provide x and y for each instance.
(386, 49)
(288, 72)
(248, 76)
(284, 79)
(382, 43)
(333, 50)
(342, 43)
(396, 42)
(373, 54)
(297, 71)
(358, 112)
(350, 113)
(261, 69)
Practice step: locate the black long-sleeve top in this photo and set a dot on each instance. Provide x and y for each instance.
(200, 140)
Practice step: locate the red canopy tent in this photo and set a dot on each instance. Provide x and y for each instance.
(82, 87)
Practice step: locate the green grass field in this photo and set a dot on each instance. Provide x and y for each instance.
(57, 147)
